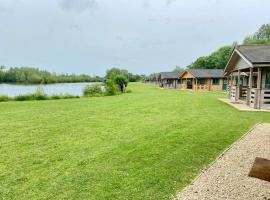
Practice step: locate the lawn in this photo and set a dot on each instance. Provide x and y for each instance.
(147, 144)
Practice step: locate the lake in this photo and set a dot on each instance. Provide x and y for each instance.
(50, 89)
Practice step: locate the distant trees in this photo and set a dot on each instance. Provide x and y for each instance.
(29, 75)
(262, 36)
(178, 69)
(216, 60)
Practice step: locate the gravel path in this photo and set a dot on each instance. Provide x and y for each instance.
(227, 178)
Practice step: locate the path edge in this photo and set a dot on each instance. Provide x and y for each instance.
(218, 157)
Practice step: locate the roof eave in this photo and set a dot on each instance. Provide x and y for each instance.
(241, 55)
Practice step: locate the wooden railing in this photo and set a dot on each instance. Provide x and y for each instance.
(201, 87)
(233, 93)
(265, 99)
(243, 92)
(183, 86)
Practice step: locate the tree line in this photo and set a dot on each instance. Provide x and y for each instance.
(219, 58)
(30, 75)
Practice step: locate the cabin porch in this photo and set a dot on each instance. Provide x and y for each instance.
(251, 86)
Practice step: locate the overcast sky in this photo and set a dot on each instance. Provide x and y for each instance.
(143, 36)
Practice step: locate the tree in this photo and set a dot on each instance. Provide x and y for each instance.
(262, 36)
(110, 84)
(116, 80)
(178, 69)
(116, 71)
(2, 73)
(122, 82)
(216, 60)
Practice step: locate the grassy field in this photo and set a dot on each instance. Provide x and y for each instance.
(147, 144)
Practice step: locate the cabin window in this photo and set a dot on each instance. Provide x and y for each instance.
(201, 81)
(215, 81)
(267, 82)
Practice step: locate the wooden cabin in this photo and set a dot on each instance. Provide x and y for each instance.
(203, 80)
(169, 79)
(153, 79)
(248, 71)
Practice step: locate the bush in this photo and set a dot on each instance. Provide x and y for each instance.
(122, 82)
(63, 96)
(24, 97)
(4, 98)
(93, 90)
(111, 87)
(40, 94)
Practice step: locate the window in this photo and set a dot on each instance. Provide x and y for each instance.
(215, 81)
(201, 81)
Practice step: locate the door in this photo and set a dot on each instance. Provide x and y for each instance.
(267, 81)
(224, 84)
(189, 83)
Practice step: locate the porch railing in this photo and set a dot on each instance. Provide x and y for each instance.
(201, 87)
(233, 93)
(243, 92)
(265, 99)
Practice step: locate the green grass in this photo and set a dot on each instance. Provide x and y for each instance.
(147, 144)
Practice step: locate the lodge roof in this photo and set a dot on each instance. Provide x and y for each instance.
(205, 73)
(256, 54)
(169, 75)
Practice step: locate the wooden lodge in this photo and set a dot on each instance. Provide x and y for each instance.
(169, 79)
(203, 80)
(248, 71)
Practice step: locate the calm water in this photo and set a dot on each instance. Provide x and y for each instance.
(58, 88)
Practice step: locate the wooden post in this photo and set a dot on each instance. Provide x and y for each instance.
(250, 78)
(259, 81)
(238, 85)
(250, 84)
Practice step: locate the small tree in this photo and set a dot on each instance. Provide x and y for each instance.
(116, 80)
(122, 82)
(111, 86)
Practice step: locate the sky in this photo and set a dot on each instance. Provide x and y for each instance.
(143, 36)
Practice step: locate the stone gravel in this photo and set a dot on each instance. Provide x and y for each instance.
(227, 178)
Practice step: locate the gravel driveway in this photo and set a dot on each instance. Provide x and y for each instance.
(227, 178)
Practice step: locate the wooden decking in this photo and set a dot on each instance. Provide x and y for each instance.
(241, 105)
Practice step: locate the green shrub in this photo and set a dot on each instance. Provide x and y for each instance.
(40, 94)
(68, 96)
(24, 97)
(122, 82)
(93, 90)
(55, 96)
(111, 86)
(4, 98)
(63, 96)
